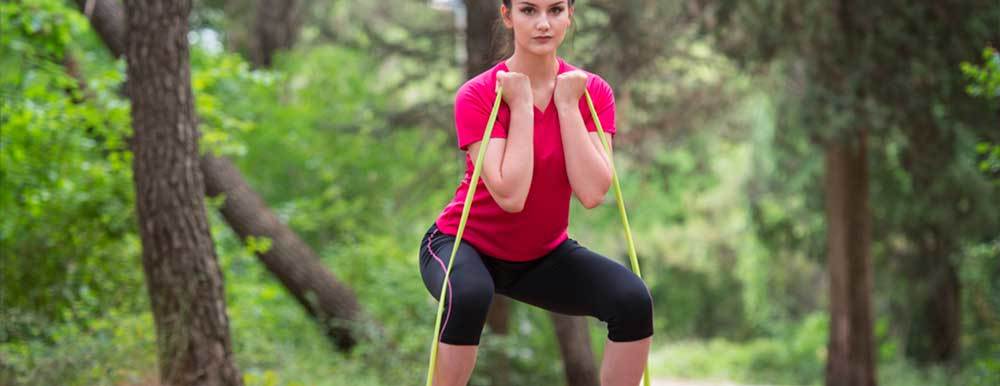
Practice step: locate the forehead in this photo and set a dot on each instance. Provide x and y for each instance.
(540, 3)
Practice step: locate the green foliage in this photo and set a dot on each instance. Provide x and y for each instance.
(797, 357)
(843, 69)
(354, 148)
(38, 29)
(984, 81)
(794, 357)
(217, 79)
(990, 159)
(67, 234)
(981, 300)
(324, 156)
(117, 346)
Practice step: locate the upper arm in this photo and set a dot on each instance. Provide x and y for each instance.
(490, 169)
(604, 104)
(473, 105)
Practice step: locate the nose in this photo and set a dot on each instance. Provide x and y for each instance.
(543, 24)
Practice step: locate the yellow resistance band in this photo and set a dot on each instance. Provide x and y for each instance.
(468, 205)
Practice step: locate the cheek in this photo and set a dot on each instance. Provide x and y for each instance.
(524, 28)
(523, 33)
(562, 23)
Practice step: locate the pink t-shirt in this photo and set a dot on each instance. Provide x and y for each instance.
(543, 222)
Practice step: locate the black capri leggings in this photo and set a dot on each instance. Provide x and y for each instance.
(570, 280)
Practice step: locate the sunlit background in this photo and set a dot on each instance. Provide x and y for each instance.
(764, 148)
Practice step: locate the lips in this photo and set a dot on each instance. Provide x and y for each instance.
(542, 39)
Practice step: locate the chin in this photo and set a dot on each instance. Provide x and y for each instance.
(542, 49)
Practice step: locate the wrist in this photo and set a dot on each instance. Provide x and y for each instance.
(566, 105)
(520, 106)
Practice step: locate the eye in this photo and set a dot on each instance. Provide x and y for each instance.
(528, 10)
(556, 10)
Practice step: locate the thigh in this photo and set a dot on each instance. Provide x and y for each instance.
(574, 280)
(468, 275)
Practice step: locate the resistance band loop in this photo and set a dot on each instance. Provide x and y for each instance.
(461, 229)
(621, 206)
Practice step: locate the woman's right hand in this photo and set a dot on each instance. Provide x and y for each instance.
(516, 88)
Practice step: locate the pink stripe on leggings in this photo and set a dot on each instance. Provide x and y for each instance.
(445, 269)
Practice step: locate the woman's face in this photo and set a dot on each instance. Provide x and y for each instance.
(539, 25)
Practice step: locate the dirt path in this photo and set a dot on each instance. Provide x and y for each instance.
(687, 382)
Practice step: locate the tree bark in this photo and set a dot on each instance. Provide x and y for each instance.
(631, 30)
(335, 305)
(934, 285)
(108, 19)
(498, 319)
(275, 27)
(298, 268)
(574, 344)
(480, 44)
(183, 277)
(850, 358)
(942, 311)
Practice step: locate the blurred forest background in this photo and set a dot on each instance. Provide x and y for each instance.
(812, 186)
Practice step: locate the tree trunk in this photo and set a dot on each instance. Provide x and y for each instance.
(275, 27)
(498, 319)
(574, 344)
(182, 275)
(850, 359)
(289, 258)
(480, 44)
(108, 19)
(333, 300)
(943, 313)
(933, 275)
(935, 294)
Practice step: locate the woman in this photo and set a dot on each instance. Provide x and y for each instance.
(543, 149)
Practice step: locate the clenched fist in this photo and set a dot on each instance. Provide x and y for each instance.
(516, 89)
(569, 87)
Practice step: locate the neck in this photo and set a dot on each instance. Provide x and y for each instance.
(538, 68)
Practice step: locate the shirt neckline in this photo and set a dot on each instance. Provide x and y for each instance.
(563, 67)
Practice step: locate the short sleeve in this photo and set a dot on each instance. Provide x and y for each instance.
(604, 103)
(473, 106)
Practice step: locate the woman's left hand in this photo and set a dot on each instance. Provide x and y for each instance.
(569, 87)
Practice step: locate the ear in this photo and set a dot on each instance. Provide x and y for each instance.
(505, 16)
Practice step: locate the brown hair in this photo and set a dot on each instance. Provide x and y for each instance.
(503, 39)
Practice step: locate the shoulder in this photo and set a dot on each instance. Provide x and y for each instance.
(598, 87)
(479, 87)
(596, 84)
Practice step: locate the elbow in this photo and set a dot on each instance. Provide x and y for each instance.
(591, 202)
(512, 204)
(507, 198)
(593, 199)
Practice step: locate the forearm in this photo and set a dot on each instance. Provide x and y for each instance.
(517, 163)
(586, 165)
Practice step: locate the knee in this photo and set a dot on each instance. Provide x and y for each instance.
(633, 312)
(468, 305)
(634, 301)
(472, 298)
